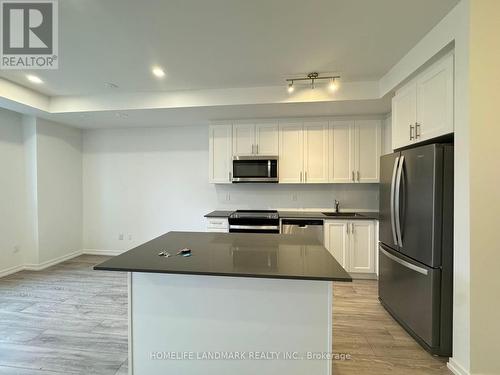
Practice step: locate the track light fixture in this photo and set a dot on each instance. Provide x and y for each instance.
(313, 77)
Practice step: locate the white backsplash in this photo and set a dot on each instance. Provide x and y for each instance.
(284, 196)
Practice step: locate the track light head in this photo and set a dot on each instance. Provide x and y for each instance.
(333, 86)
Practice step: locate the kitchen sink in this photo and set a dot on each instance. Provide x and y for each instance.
(339, 214)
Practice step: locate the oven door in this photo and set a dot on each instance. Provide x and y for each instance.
(253, 228)
(255, 169)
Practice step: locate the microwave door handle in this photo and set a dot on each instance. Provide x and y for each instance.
(269, 168)
(393, 188)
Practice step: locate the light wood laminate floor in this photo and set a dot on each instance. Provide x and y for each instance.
(69, 319)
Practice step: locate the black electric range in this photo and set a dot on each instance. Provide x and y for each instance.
(254, 221)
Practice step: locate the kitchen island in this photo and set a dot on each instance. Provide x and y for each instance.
(240, 304)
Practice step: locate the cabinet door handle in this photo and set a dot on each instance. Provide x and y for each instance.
(256, 148)
(411, 132)
(347, 229)
(353, 179)
(253, 149)
(417, 132)
(357, 173)
(300, 176)
(352, 228)
(305, 176)
(229, 176)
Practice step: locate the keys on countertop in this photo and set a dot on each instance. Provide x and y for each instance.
(185, 252)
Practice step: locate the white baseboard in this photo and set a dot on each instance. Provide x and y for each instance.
(52, 262)
(40, 266)
(103, 252)
(11, 270)
(456, 368)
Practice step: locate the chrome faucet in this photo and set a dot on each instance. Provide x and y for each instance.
(337, 206)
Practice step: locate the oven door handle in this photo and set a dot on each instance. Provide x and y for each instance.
(255, 227)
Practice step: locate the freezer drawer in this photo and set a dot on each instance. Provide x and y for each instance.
(410, 291)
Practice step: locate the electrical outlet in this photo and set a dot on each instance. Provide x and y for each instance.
(228, 197)
(294, 197)
(16, 249)
(120, 237)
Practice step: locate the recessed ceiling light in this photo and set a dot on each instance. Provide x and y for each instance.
(158, 72)
(34, 79)
(111, 85)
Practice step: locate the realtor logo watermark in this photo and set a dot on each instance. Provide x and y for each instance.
(29, 34)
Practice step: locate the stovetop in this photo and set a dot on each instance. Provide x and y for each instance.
(254, 214)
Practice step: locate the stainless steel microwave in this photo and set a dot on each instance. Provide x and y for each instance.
(255, 169)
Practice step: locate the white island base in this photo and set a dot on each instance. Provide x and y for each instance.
(178, 321)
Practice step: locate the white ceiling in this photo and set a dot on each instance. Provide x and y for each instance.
(228, 43)
(201, 115)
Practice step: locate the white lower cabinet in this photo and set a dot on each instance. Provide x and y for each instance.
(217, 224)
(337, 240)
(362, 250)
(352, 243)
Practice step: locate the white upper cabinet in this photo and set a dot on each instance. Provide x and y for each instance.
(435, 101)
(355, 148)
(404, 116)
(255, 139)
(367, 149)
(315, 152)
(423, 109)
(309, 151)
(291, 156)
(243, 139)
(219, 153)
(341, 151)
(267, 138)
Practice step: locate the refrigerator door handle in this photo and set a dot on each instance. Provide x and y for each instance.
(397, 200)
(404, 263)
(393, 188)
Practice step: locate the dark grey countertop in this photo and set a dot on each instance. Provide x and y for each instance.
(233, 254)
(307, 215)
(320, 215)
(219, 214)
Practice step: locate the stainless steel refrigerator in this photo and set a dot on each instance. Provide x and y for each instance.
(416, 243)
